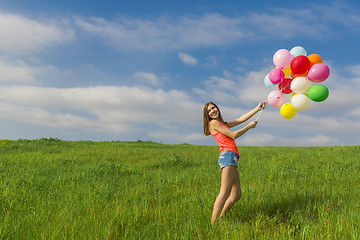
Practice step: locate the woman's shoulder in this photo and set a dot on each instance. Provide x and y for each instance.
(215, 122)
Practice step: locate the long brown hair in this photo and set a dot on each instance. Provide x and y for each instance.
(207, 118)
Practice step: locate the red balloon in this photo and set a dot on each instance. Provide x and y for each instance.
(285, 85)
(300, 64)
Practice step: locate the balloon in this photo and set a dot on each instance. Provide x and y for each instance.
(314, 59)
(300, 85)
(318, 73)
(298, 75)
(318, 93)
(267, 82)
(300, 102)
(275, 98)
(288, 111)
(282, 58)
(300, 64)
(295, 73)
(276, 76)
(284, 86)
(287, 71)
(297, 51)
(294, 94)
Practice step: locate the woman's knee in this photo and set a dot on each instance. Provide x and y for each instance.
(238, 196)
(223, 194)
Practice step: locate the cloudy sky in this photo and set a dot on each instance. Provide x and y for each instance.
(143, 70)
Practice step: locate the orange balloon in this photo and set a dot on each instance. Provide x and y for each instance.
(314, 59)
(298, 75)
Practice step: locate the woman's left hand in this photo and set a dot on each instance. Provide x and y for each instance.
(262, 105)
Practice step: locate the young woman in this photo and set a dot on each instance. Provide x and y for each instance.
(230, 190)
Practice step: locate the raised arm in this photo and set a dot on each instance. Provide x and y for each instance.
(216, 126)
(248, 115)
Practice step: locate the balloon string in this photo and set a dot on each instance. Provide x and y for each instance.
(259, 114)
(287, 84)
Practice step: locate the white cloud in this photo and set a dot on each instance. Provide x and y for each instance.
(187, 59)
(355, 113)
(255, 138)
(165, 33)
(147, 77)
(178, 137)
(354, 70)
(174, 33)
(108, 108)
(247, 89)
(43, 116)
(319, 140)
(20, 34)
(18, 71)
(212, 60)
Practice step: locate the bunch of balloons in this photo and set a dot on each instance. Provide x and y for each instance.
(294, 73)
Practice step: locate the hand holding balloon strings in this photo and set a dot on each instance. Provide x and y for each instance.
(262, 106)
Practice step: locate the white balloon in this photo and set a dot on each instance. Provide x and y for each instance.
(300, 102)
(300, 85)
(298, 50)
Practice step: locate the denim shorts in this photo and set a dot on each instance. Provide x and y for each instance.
(228, 158)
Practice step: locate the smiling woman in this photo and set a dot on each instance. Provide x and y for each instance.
(230, 190)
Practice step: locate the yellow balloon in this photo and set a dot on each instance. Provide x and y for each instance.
(287, 71)
(288, 111)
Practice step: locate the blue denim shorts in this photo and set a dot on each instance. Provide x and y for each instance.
(228, 158)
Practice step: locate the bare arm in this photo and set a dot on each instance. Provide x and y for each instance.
(216, 126)
(246, 116)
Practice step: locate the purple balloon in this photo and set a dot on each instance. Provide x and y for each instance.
(318, 73)
(276, 76)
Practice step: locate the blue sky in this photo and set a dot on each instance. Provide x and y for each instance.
(143, 70)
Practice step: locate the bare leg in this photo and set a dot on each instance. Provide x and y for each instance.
(227, 179)
(235, 194)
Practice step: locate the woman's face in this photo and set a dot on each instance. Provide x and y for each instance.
(213, 111)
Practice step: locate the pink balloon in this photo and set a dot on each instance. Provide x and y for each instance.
(282, 58)
(276, 76)
(275, 98)
(318, 73)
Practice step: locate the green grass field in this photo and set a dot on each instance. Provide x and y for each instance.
(53, 189)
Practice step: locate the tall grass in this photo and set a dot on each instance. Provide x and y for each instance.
(53, 189)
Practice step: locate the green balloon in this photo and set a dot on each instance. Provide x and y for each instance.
(318, 93)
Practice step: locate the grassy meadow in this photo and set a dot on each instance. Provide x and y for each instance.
(53, 189)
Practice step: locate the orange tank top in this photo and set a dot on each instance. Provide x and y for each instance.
(225, 143)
